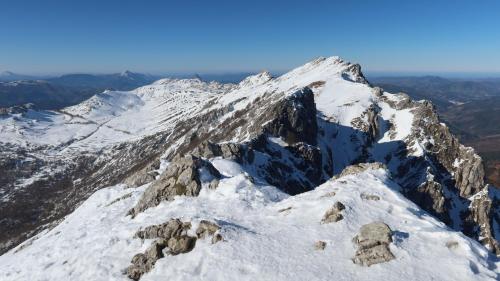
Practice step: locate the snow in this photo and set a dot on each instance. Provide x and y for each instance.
(261, 242)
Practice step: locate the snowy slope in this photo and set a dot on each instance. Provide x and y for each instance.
(111, 117)
(261, 242)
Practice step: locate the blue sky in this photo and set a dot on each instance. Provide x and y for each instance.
(227, 36)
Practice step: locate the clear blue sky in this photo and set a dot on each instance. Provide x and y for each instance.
(216, 36)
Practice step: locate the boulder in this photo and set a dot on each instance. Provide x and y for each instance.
(206, 228)
(320, 245)
(373, 244)
(181, 244)
(334, 213)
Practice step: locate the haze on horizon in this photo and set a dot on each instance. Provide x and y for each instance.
(53, 37)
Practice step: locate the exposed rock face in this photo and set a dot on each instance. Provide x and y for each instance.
(485, 214)
(334, 214)
(296, 120)
(182, 177)
(373, 244)
(453, 173)
(368, 122)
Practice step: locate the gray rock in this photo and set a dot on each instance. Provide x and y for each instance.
(142, 263)
(366, 196)
(181, 244)
(182, 177)
(320, 245)
(171, 236)
(206, 228)
(173, 227)
(361, 167)
(295, 123)
(334, 213)
(373, 255)
(373, 244)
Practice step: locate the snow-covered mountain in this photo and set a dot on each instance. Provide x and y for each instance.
(311, 175)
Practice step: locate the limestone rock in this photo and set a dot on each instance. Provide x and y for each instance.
(206, 228)
(334, 213)
(182, 177)
(181, 244)
(358, 168)
(320, 245)
(296, 119)
(171, 236)
(373, 244)
(366, 196)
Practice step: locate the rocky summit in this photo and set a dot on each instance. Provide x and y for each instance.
(312, 175)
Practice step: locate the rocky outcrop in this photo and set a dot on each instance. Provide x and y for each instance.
(373, 244)
(359, 168)
(172, 239)
(171, 235)
(295, 119)
(182, 177)
(483, 216)
(368, 123)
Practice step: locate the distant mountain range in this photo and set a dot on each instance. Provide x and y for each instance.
(65, 90)
(8, 76)
(70, 89)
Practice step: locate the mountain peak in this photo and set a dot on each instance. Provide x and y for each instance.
(257, 79)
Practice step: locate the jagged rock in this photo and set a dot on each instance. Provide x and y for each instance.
(173, 227)
(206, 228)
(311, 162)
(182, 177)
(181, 244)
(171, 235)
(430, 194)
(334, 213)
(361, 167)
(356, 74)
(373, 244)
(484, 216)
(144, 262)
(368, 122)
(320, 245)
(295, 119)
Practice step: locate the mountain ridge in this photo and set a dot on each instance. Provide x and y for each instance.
(293, 133)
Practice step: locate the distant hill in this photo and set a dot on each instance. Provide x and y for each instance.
(66, 90)
(8, 76)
